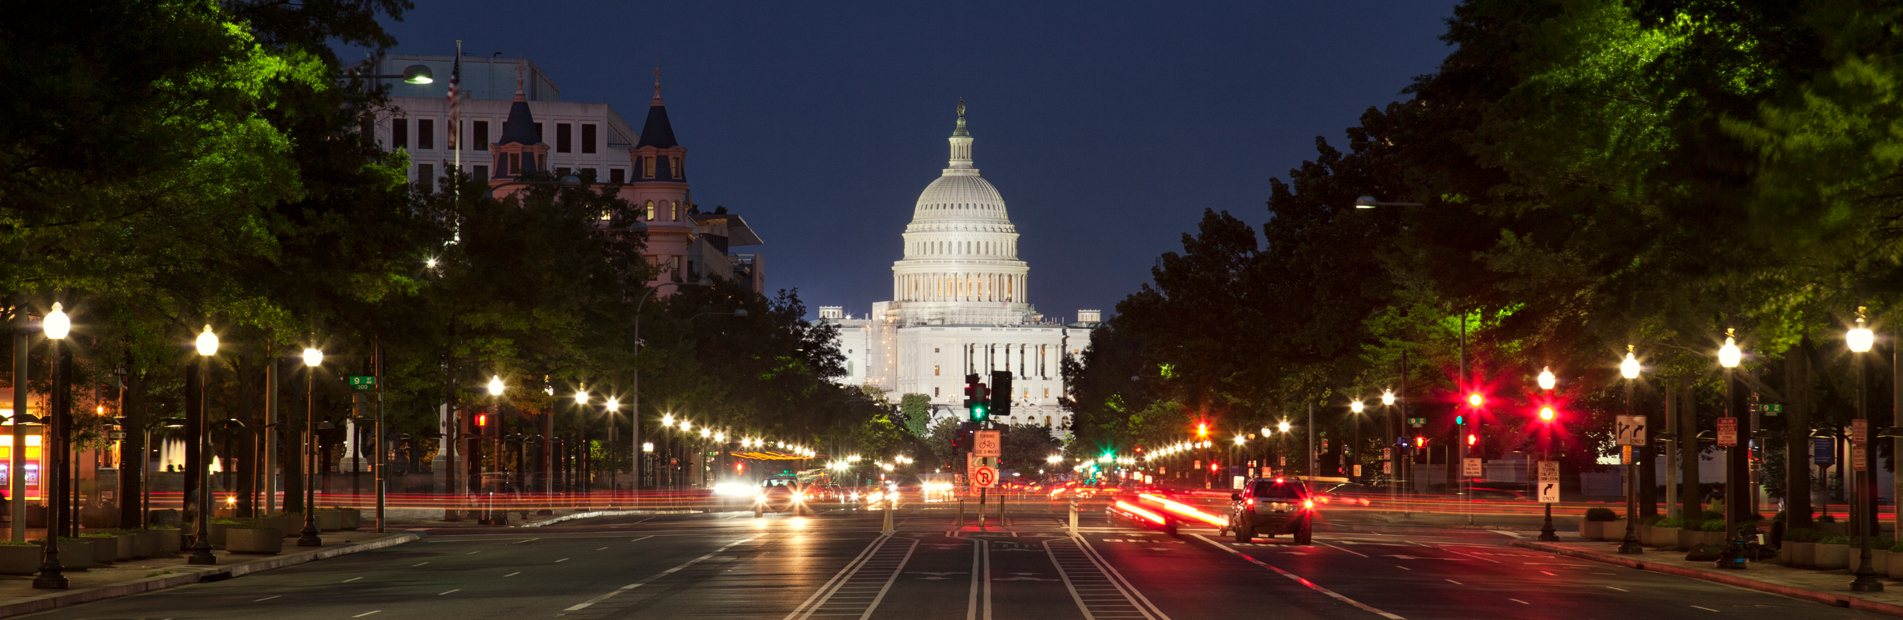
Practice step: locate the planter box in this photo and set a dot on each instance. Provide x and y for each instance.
(105, 549)
(1593, 530)
(1895, 569)
(1614, 530)
(99, 517)
(254, 540)
(145, 543)
(224, 513)
(1663, 537)
(1799, 554)
(20, 559)
(1879, 560)
(170, 542)
(1832, 557)
(168, 516)
(329, 520)
(353, 518)
(217, 532)
(75, 555)
(275, 523)
(1688, 539)
(126, 543)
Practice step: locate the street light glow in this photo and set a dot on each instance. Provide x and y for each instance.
(495, 385)
(614, 404)
(667, 419)
(1355, 406)
(57, 324)
(1630, 367)
(1475, 399)
(1282, 426)
(1729, 355)
(313, 357)
(1547, 380)
(1387, 400)
(1239, 440)
(581, 397)
(207, 342)
(1546, 413)
(1860, 338)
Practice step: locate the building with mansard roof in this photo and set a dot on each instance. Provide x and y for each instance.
(960, 305)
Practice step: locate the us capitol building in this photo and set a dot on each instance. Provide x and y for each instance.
(959, 306)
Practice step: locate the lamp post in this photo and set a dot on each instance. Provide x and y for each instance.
(1629, 368)
(1355, 406)
(308, 536)
(667, 451)
(1860, 340)
(496, 388)
(581, 423)
(608, 447)
(1547, 383)
(1733, 555)
(56, 325)
(201, 539)
(1389, 441)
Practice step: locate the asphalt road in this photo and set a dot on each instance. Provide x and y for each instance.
(838, 565)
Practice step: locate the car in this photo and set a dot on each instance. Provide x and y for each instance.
(779, 494)
(1270, 506)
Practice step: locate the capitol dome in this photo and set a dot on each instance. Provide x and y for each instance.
(961, 252)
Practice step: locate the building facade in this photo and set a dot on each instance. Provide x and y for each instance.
(960, 306)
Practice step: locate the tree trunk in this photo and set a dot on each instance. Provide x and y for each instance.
(1691, 499)
(1648, 465)
(1797, 482)
(133, 456)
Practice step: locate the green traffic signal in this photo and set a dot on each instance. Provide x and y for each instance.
(978, 412)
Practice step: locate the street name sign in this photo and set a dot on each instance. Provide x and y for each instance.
(363, 382)
(1727, 432)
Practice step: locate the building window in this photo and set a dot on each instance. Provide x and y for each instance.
(587, 175)
(399, 133)
(934, 370)
(647, 167)
(934, 392)
(482, 173)
(564, 140)
(538, 132)
(515, 163)
(650, 211)
(426, 177)
(425, 133)
(676, 211)
(482, 135)
(934, 349)
(587, 138)
(617, 176)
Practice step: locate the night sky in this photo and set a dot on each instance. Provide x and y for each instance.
(1108, 127)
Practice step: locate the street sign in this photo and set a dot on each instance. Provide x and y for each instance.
(1856, 456)
(1824, 451)
(1549, 492)
(1630, 430)
(363, 383)
(1727, 432)
(1470, 467)
(116, 435)
(1357, 470)
(1860, 432)
(985, 477)
(1417, 422)
(1549, 471)
(1236, 482)
(1769, 408)
(987, 443)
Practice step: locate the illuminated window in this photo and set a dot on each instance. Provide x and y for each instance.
(650, 210)
(934, 370)
(647, 170)
(934, 392)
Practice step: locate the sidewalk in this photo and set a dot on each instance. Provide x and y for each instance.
(17, 595)
(1830, 587)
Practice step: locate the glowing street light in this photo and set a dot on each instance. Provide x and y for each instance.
(1630, 367)
(1355, 406)
(495, 385)
(581, 397)
(1387, 399)
(1547, 380)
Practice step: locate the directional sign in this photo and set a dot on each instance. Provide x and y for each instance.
(988, 444)
(1470, 467)
(1630, 430)
(1769, 408)
(363, 383)
(1860, 432)
(1549, 492)
(1387, 467)
(1727, 432)
(984, 477)
(116, 435)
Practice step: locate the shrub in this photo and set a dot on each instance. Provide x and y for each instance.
(1712, 525)
(1803, 534)
(1669, 522)
(1714, 514)
(1826, 519)
(1601, 514)
(1835, 539)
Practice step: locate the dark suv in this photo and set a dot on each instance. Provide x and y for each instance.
(1270, 506)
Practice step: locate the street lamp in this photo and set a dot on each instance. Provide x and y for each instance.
(1860, 339)
(1368, 202)
(1547, 380)
(52, 577)
(1629, 368)
(308, 536)
(608, 447)
(1733, 556)
(496, 387)
(201, 543)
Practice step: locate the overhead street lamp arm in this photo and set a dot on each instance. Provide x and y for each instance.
(1368, 202)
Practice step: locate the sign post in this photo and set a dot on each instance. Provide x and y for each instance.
(1549, 482)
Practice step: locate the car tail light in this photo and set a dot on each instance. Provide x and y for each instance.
(1364, 502)
(1251, 501)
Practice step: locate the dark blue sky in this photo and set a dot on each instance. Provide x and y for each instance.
(1108, 127)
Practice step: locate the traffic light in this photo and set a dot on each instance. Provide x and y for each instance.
(977, 401)
(1460, 420)
(971, 390)
(482, 420)
(1547, 414)
(1471, 438)
(1001, 392)
(1202, 430)
(1475, 399)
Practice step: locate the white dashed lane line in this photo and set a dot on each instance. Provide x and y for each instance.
(513, 574)
(267, 598)
(449, 592)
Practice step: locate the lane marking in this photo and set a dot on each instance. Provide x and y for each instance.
(584, 604)
(449, 592)
(1519, 601)
(367, 613)
(1619, 589)
(1455, 582)
(1332, 546)
(418, 564)
(1094, 583)
(513, 574)
(1298, 579)
(1471, 555)
(602, 549)
(971, 608)
(986, 545)
(640, 539)
(267, 598)
(1549, 574)
(1402, 567)
(871, 587)
(524, 542)
(351, 579)
(474, 552)
(1707, 609)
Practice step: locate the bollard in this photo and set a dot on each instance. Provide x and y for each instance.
(961, 511)
(1073, 515)
(888, 516)
(981, 508)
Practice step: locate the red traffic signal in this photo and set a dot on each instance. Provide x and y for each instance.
(482, 420)
(1213, 468)
(1547, 414)
(1471, 438)
(1475, 399)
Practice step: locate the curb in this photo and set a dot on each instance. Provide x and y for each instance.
(607, 513)
(191, 576)
(1815, 596)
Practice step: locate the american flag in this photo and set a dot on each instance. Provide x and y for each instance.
(455, 100)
